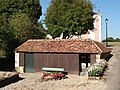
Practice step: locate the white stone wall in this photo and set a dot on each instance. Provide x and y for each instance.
(97, 26)
(91, 35)
(16, 59)
(97, 57)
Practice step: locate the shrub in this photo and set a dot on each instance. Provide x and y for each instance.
(98, 68)
(96, 71)
(102, 63)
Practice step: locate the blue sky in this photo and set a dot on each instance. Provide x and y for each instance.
(108, 8)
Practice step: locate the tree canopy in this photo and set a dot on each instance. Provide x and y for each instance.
(111, 39)
(30, 7)
(18, 22)
(69, 17)
(21, 26)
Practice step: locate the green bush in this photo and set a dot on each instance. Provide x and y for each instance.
(96, 71)
(98, 68)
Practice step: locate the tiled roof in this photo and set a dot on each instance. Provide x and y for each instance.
(102, 47)
(62, 46)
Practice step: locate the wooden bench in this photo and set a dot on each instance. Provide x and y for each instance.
(52, 69)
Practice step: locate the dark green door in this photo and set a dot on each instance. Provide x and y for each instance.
(29, 62)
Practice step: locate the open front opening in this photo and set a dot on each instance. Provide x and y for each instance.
(85, 61)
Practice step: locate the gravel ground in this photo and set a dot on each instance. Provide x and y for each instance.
(110, 81)
(73, 82)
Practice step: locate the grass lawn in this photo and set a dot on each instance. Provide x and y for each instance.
(113, 43)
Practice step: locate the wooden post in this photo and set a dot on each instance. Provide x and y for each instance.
(86, 60)
(80, 67)
(92, 58)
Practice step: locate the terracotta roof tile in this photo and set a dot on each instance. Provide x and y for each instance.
(102, 47)
(62, 46)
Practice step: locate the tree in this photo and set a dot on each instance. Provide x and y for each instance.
(2, 36)
(17, 21)
(110, 39)
(30, 7)
(69, 16)
(41, 30)
(20, 16)
(117, 40)
(21, 26)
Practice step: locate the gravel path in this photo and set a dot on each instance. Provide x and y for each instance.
(113, 72)
(111, 80)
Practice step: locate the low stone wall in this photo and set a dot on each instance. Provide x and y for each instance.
(20, 69)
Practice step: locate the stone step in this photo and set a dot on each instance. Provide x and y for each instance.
(84, 73)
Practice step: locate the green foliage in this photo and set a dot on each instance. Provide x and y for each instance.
(96, 71)
(42, 32)
(30, 7)
(20, 25)
(117, 39)
(69, 16)
(23, 28)
(3, 36)
(98, 68)
(111, 39)
(18, 22)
